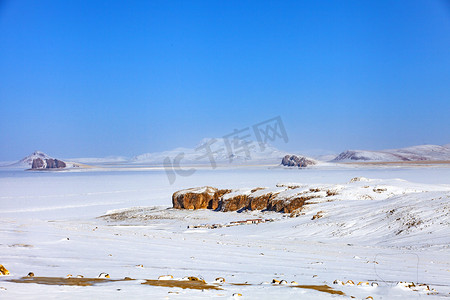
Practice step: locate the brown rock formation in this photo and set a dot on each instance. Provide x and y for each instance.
(259, 202)
(227, 200)
(288, 205)
(234, 202)
(215, 203)
(194, 198)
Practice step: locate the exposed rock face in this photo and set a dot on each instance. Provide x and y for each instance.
(195, 198)
(259, 202)
(233, 202)
(287, 205)
(215, 203)
(297, 161)
(37, 163)
(47, 163)
(55, 164)
(228, 200)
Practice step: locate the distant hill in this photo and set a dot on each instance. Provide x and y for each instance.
(38, 160)
(415, 153)
(223, 152)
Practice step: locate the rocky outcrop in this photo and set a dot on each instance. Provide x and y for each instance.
(297, 161)
(259, 201)
(279, 204)
(47, 163)
(195, 198)
(215, 203)
(37, 163)
(235, 200)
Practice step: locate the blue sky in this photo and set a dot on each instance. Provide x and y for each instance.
(98, 78)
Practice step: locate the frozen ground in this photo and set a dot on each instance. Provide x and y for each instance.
(118, 221)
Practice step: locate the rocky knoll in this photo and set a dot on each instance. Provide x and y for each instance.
(284, 199)
(198, 198)
(195, 198)
(47, 163)
(297, 161)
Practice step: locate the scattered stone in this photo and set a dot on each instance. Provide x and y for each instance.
(103, 275)
(318, 215)
(337, 281)
(349, 282)
(356, 179)
(219, 280)
(193, 278)
(3, 270)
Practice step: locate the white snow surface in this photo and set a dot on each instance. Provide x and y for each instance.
(390, 225)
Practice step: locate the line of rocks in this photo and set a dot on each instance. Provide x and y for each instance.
(47, 163)
(235, 200)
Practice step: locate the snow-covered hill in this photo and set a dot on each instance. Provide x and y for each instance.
(41, 159)
(415, 153)
(27, 161)
(222, 151)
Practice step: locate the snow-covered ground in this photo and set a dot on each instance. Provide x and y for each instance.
(390, 226)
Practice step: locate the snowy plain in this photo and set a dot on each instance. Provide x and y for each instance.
(119, 221)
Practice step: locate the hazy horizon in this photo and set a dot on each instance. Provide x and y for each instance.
(97, 79)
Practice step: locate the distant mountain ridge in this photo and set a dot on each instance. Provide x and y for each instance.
(414, 153)
(221, 150)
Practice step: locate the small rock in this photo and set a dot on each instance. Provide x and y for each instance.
(3, 270)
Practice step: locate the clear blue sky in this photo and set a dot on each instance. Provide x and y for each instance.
(98, 78)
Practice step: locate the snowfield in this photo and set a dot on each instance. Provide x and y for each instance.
(381, 224)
